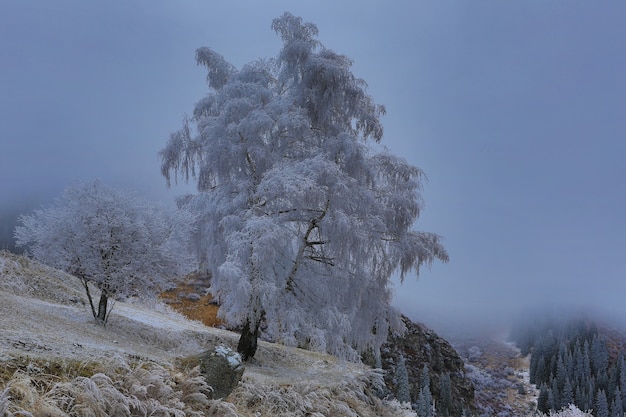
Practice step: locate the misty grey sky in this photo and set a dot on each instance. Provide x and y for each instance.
(516, 111)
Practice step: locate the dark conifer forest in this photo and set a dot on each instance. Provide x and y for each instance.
(575, 362)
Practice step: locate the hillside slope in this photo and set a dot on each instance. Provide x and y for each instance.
(54, 356)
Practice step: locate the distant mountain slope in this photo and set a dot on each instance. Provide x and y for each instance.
(48, 337)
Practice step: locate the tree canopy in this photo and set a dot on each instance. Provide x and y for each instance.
(120, 242)
(303, 221)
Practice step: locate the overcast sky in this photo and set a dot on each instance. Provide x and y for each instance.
(516, 111)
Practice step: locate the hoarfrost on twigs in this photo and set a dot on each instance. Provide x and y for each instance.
(303, 223)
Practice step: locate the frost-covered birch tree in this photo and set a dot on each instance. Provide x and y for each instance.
(120, 242)
(303, 221)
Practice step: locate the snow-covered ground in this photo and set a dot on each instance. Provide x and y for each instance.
(44, 316)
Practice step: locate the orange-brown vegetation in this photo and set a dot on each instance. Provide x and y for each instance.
(190, 299)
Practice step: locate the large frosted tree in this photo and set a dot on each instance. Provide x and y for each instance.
(118, 241)
(304, 222)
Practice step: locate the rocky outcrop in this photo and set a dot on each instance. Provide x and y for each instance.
(221, 367)
(421, 346)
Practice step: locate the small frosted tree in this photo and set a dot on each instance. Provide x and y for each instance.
(425, 405)
(569, 411)
(304, 223)
(402, 379)
(120, 242)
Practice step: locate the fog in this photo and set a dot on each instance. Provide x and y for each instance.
(515, 111)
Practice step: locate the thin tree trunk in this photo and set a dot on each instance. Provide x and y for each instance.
(93, 309)
(248, 340)
(102, 308)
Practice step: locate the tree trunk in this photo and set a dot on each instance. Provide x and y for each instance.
(93, 309)
(102, 308)
(248, 341)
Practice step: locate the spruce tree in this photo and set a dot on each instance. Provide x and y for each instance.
(569, 364)
(617, 408)
(552, 405)
(567, 397)
(599, 355)
(532, 371)
(580, 398)
(402, 379)
(542, 400)
(622, 384)
(445, 395)
(586, 361)
(602, 407)
(424, 407)
(591, 393)
(613, 380)
(556, 395)
(561, 372)
(541, 375)
(579, 370)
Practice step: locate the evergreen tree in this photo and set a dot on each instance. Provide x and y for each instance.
(591, 394)
(580, 397)
(586, 361)
(569, 364)
(579, 370)
(402, 379)
(599, 355)
(532, 369)
(562, 348)
(552, 404)
(567, 397)
(602, 407)
(602, 380)
(425, 377)
(445, 394)
(542, 400)
(561, 372)
(613, 380)
(424, 406)
(556, 395)
(622, 382)
(541, 374)
(617, 408)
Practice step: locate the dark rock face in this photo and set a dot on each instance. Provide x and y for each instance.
(421, 346)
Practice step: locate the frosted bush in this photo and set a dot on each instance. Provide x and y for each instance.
(569, 411)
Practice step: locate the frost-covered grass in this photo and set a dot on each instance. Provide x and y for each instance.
(49, 388)
(23, 277)
(56, 361)
(131, 390)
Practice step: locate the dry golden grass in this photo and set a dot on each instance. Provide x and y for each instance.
(52, 370)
